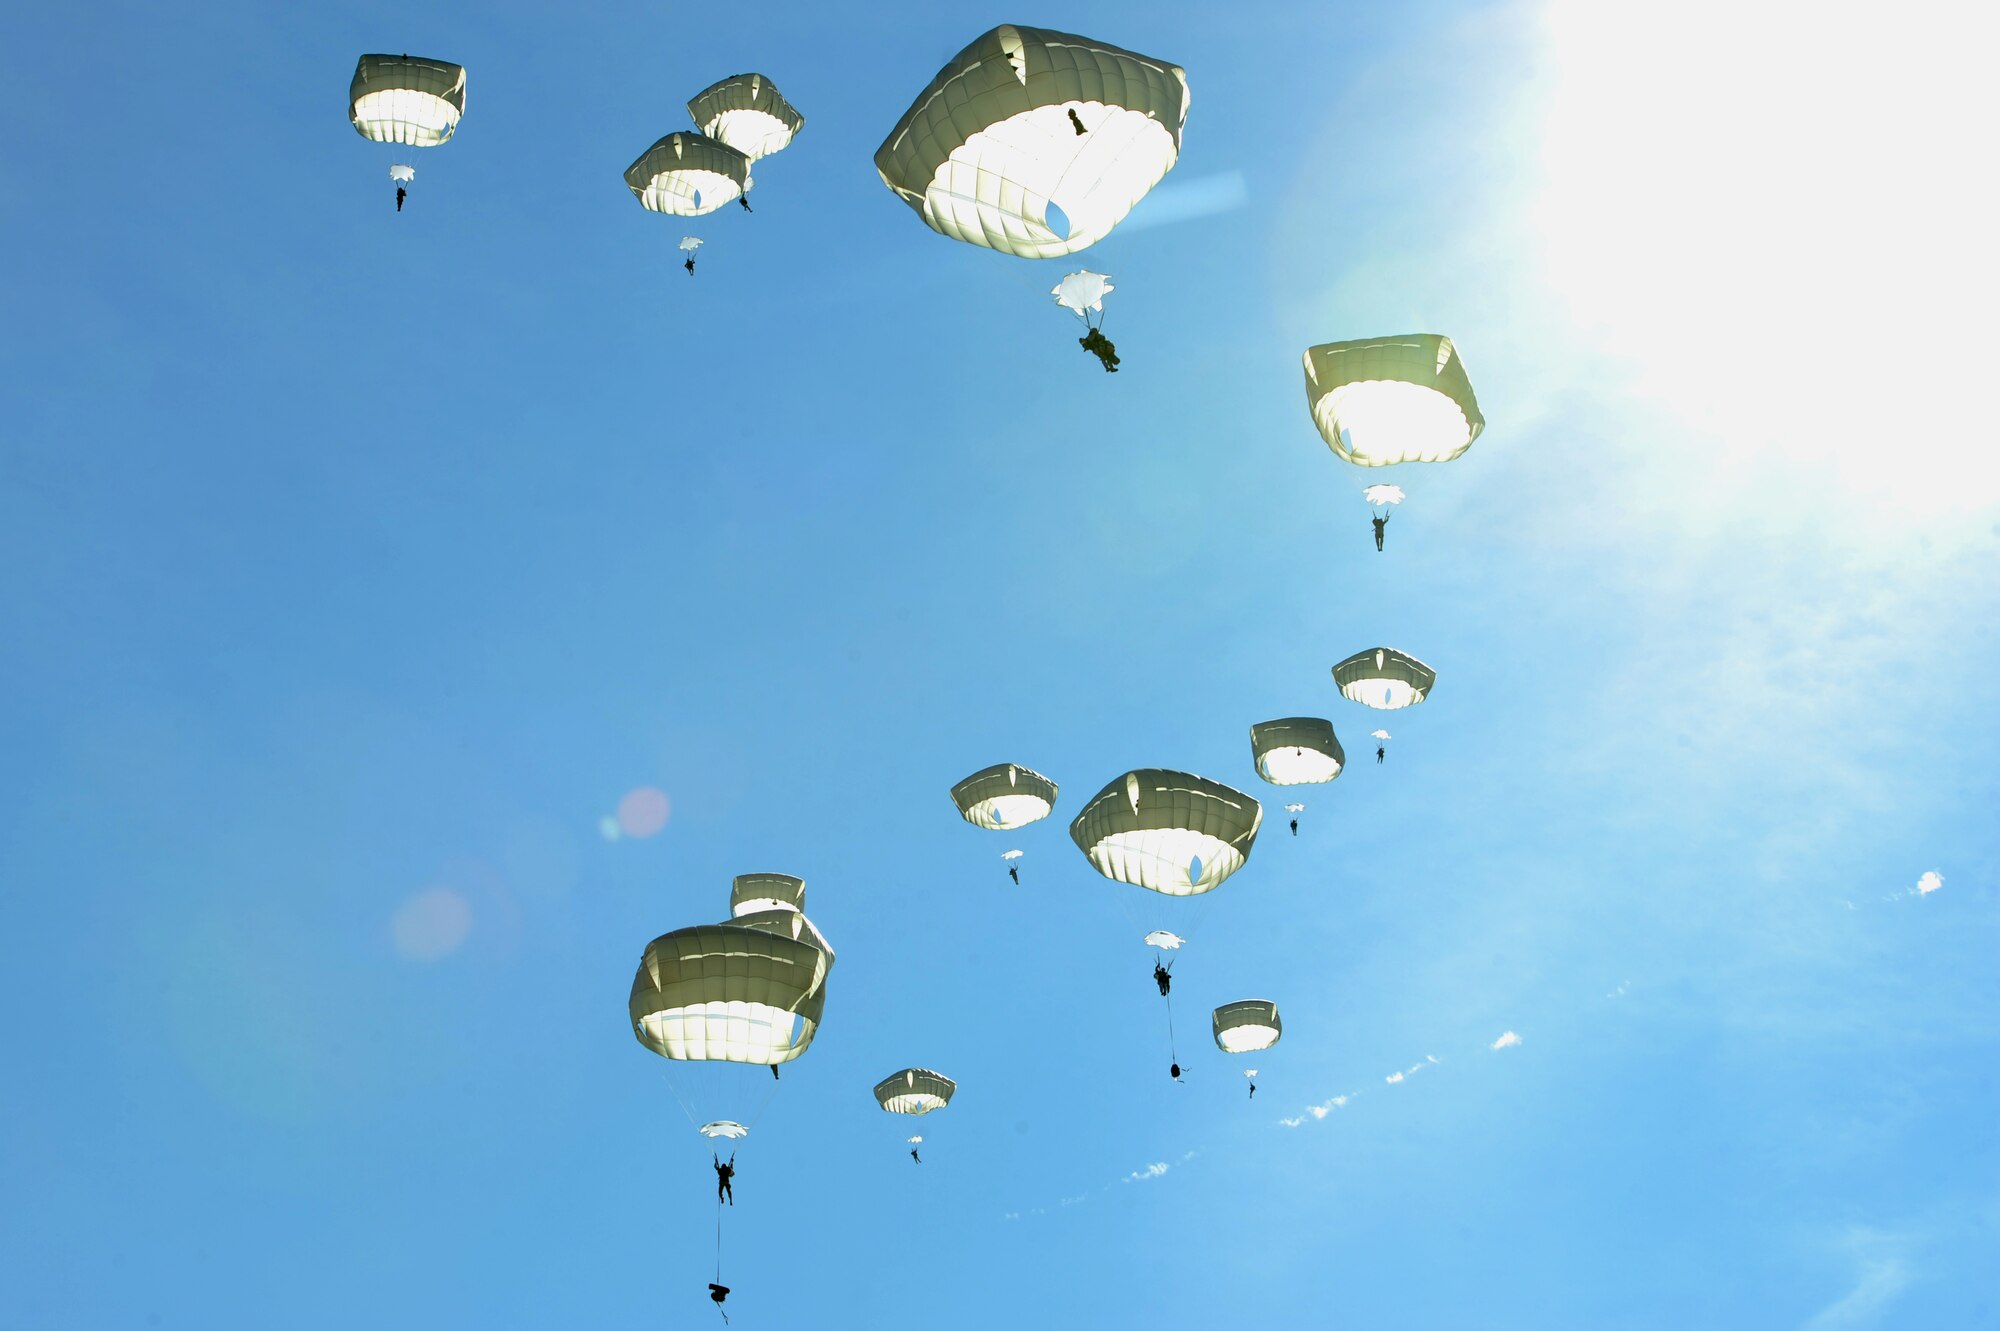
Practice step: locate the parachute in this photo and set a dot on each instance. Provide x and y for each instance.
(1004, 796)
(914, 1091)
(729, 993)
(751, 892)
(1384, 678)
(1036, 143)
(407, 102)
(1247, 1026)
(1084, 292)
(1383, 495)
(1160, 938)
(688, 175)
(750, 991)
(1169, 832)
(1384, 400)
(404, 100)
(1378, 734)
(690, 243)
(1010, 854)
(1295, 808)
(745, 112)
(1297, 750)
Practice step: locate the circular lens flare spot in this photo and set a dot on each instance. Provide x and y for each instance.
(643, 812)
(432, 924)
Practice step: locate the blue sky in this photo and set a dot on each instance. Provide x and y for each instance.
(355, 563)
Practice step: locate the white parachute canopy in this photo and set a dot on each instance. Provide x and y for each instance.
(1250, 1072)
(1082, 292)
(690, 243)
(1383, 494)
(916, 1140)
(1378, 734)
(1010, 854)
(402, 174)
(1162, 939)
(724, 1127)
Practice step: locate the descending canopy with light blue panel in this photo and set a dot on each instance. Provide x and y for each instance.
(1169, 832)
(1383, 400)
(990, 145)
(729, 993)
(1247, 1026)
(1384, 678)
(1004, 796)
(688, 174)
(746, 112)
(914, 1091)
(1296, 750)
(406, 100)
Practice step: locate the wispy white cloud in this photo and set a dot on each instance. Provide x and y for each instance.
(1152, 1171)
(1929, 883)
(1292, 1122)
(1393, 1078)
(1506, 1041)
(1184, 200)
(1881, 1272)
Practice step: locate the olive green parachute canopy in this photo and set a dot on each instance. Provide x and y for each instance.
(1245, 1027)
(1296, 751)
(406, 100)
(1384, 400)
(766, 891)
(1384, 678)
(788, 923)
(914, 1091)
(688, 175)
(728, 993)
(1168, 832)
(746, 112)
(1004, 796)
(989, 145)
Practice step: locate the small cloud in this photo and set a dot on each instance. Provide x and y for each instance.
(1626, 985)
(607, 827)
(1189, 1156)
(1152, 1171)
(1393, 1078)
(1079, 1198)
(1506, 1041)
(1182, 201)
(1292, 1122)
(1011, 1215)
(1929, 883)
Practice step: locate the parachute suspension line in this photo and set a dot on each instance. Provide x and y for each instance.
(674, 1091)
(718, 1242)
(1173, 1047)
(769, 1096)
